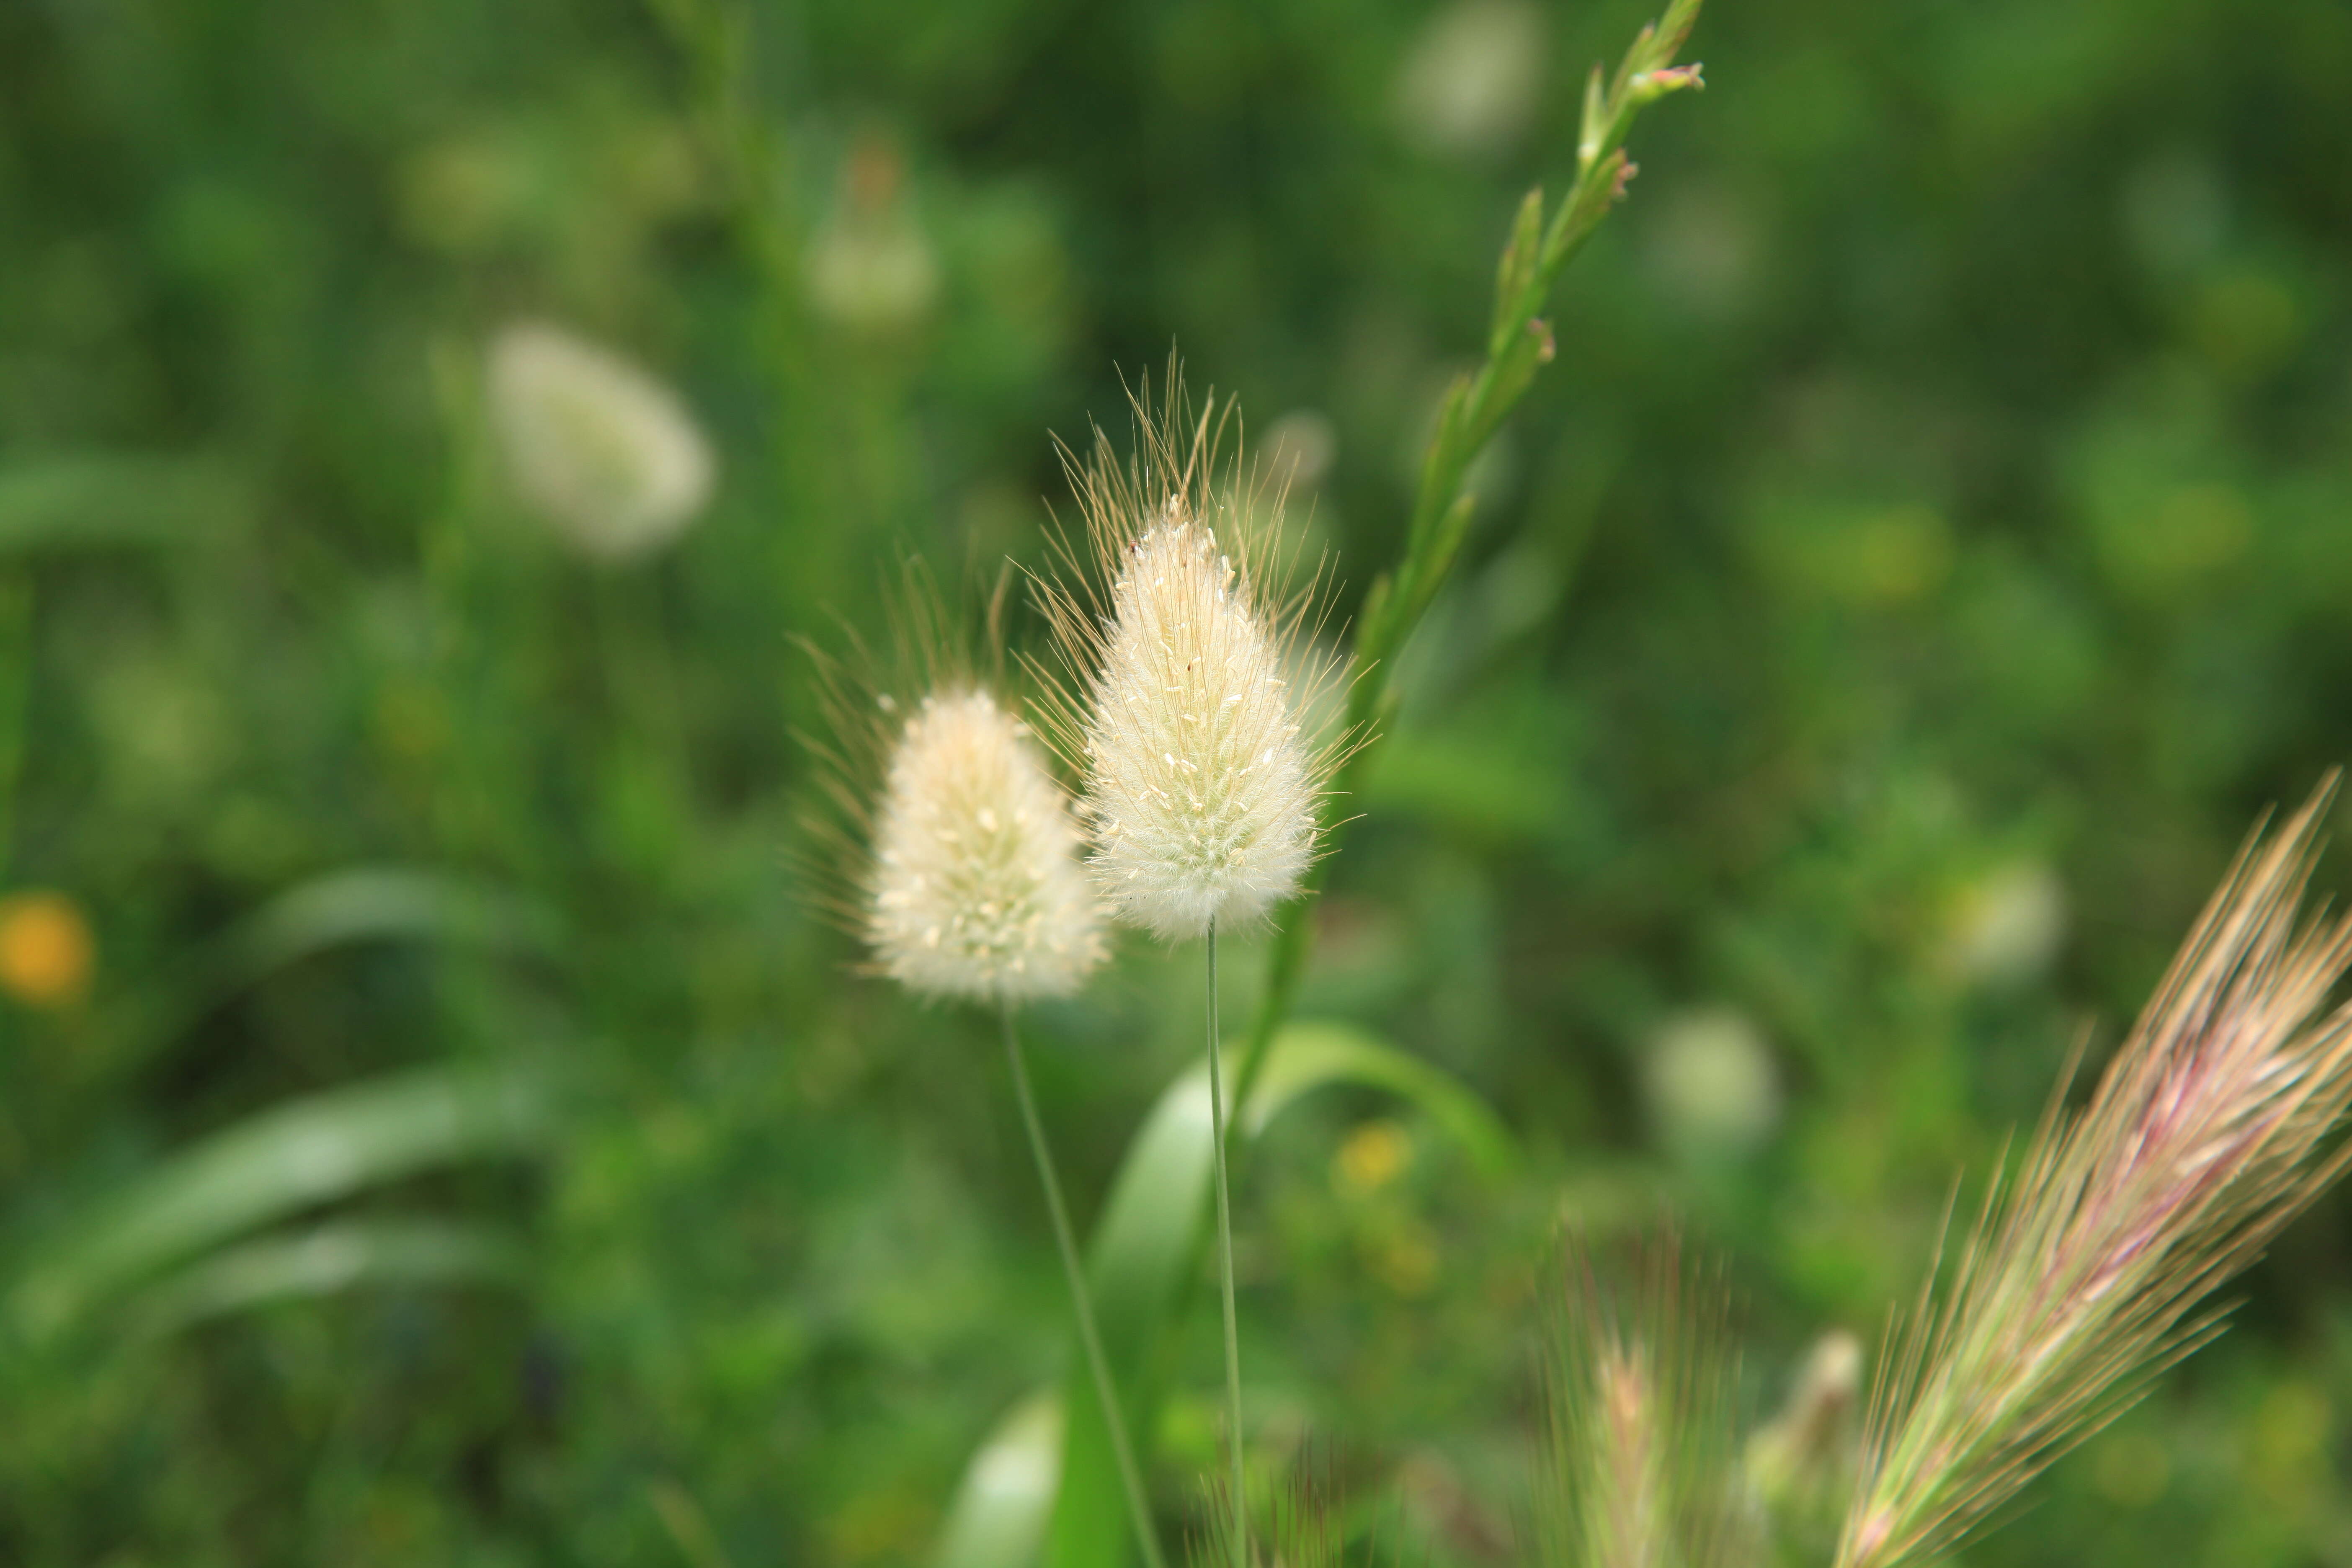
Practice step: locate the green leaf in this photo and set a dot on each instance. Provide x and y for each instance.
(376, 903)
(310, 1152)
(361, 903)
(111, 499)
(1144, 1258)
(328, 1260)
(1517, 271)
(998, 1518)
(1308, 1055)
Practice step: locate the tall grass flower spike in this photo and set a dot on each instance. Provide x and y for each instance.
(972, 890)
(1184, 708)
(2091, 1268)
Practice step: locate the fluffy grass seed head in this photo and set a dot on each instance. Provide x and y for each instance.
(1187, 688)
(606, 455)
(976, 890)
(949, 847)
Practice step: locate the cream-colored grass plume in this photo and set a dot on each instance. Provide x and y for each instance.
(976, 890)
(2093, 1267)
(1186, 683)
(606, 455)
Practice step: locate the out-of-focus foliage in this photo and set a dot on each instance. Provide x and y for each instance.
(1931, 547)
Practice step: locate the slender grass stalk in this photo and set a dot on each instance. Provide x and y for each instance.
(1225, 1268)
(1519, 343)
(1081, 1300)
(16, 688)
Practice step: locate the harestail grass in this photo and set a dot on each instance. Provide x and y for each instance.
(1187, 684)
(965, 885)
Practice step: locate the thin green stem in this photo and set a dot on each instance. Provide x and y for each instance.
(1520, 342)
(1225, 1268)
(15, 696)
(1082, 1301)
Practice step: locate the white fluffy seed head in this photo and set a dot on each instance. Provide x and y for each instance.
(1184, 698)
(607, 456)
(1200, 792)
(974, 890)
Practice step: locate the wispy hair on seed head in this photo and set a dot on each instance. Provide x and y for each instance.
(1298, 1523)
(1190, 675)
(949, 849)
(1637, 1463)
(2091, 1267)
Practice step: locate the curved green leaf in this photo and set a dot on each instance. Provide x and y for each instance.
(310, 1152)
(327, 1260)
(1312, 1054)
(1145, 1254)
(361, 903)
(998, 1518)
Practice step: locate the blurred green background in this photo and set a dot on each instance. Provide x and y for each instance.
(1926, 556)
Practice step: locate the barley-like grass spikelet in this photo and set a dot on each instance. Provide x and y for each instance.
(1187, 682)
(1637, 1462)
(2091, 1267)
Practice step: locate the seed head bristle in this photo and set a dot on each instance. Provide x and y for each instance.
(1186, 691)
(1637, 1469)
(2090, 1269)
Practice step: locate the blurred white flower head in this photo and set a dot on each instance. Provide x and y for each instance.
(1711, 1081)
(606, 455)
(2007, 926)
(1473, 80)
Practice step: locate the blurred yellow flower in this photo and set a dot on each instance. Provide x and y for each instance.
(47, 951)
(1373, 1157)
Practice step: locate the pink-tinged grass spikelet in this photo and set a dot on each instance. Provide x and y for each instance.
(1637, 1465)
(2091, 1267)
(1299, 1521)
(1188, 680)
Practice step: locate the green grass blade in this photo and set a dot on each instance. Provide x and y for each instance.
(276, 1163)
(377, 903)
(106, 500)
(1145, 1253)
(327, 1260)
